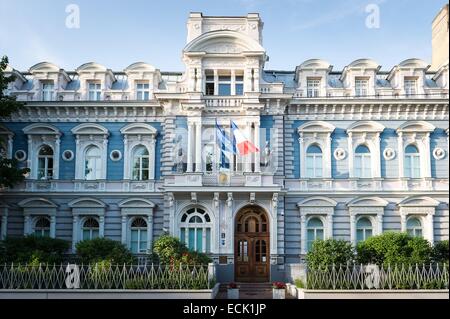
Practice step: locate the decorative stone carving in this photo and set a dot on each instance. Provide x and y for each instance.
(389, 154)
(438, 153)
(340, 154)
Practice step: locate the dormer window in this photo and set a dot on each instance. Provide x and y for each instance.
(47, 91)
(410, 87)
(361, 87)
(313, 86)
(94, 91)
(143, 91)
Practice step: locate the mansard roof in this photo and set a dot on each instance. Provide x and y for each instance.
(93, 67)
(364, 64)
(140, 67)
(414, 63)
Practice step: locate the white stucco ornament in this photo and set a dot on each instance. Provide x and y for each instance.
(340, 154)
(67, 155)
(389, 154)
(438, 153)
(115, 155)
(20, 155)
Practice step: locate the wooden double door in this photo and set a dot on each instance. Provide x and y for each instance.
(251, 246)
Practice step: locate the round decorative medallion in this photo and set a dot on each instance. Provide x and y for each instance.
(389, 154)
(438, 153)
(67, 155)
(340, 154)
(20, 155)
(115, 155)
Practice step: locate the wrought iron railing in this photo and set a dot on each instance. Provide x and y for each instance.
(105, 276)
(361, 277)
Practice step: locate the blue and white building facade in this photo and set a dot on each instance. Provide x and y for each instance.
(130, 155)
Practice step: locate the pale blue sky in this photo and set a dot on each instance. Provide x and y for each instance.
(118, 33)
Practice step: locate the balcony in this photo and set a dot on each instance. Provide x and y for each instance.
(232, 179)
(223, 101)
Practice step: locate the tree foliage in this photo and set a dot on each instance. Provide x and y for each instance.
(171, 250)
(441, 252)
(10, 173)
(104, 249)
(394, 248)
(328, 252)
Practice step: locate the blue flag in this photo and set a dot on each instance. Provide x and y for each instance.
(226, 146)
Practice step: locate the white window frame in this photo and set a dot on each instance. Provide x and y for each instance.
(134, 135)
(361, 87)
(203, 225)
(317, 206)
(94, 90)
(90, 134)
(365, 159)
(34, 207)
(91, 229)
(140, 159)
(96, 160)
(38, 136)
(415, 228)
(41, 230)
(313, 87)
(370, 207)
(46, 159)
(143, 92)
(315, 229)
(132, 208)
(48, 88)
(364, 228)
(317, 133)
(315, 159)
(410, 85)
(412, 158)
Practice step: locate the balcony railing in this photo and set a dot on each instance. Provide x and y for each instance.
(223, 101)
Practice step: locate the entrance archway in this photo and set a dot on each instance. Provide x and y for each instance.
(251, 245)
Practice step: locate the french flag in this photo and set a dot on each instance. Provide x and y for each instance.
(243, 145)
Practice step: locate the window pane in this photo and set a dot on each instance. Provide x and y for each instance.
(182, 235)
(134, 235)
(208, 240)
(359, 235)
(239, 89)
(224, 89)
(319, 234)
(199, 239)
(191, 244)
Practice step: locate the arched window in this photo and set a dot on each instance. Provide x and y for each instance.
(141, 164)
(138, 242)
(414, 227)
(195, 230)
(315, 231)
(362, 162)
(42, 227)
(90, 229)
(314, 162)
(45, 162)
(93, 163)
(364, 229)
(412, 162)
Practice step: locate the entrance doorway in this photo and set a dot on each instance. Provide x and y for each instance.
(251, 246)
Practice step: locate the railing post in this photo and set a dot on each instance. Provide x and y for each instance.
(211, 272)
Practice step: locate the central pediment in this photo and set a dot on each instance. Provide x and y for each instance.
(224, 42)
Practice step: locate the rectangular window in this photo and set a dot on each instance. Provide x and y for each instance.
(313, 87)
(209, 85)
(239, 85)
(94, 91)
(361, 87)
(47, 91)
(142, 91)
(224, 85)
(410, 87)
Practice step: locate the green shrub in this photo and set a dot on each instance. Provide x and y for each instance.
(328, 252)
(394, 248)
(441, 252)
(171, 250)
(104, 249)
(32, 249)
(299, 283)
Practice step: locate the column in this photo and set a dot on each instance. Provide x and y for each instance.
(426, 156)
(379, 224)
(149, 231)
(216, 82)
(429, 227)
(329, 226)
(302, 156)
(248, 158)
(101, 231)
(401, 156)
(10, 146)
(352, 228)
(56, 158)
(303, 237)
(257, 144)
(190, 147)
(328, 157)
(377, 157)
(351, 169)
(53, 226)
(26, 225)
(74, 232)
(127, 158)
(198, 147)
(4, 229)
(124, 229)
(402, 222)
(233, 82)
